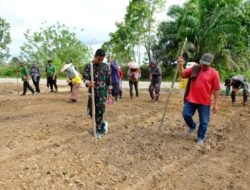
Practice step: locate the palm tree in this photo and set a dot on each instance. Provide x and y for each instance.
(214, 26)
(221, 27)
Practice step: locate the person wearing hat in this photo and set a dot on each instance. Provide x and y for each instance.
(73, 78)
(102, 89)
(25, 79)
(51, 74)
(155, 78)
(133, 73)
(35, 76)
(204, 82)
(238, 82)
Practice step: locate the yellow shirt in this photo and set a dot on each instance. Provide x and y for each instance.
(183, 83)
(76, 80)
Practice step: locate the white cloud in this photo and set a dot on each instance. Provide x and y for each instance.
(96, 17)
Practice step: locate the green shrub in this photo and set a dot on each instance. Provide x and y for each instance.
(8, 71)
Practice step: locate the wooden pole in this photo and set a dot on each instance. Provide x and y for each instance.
(171, 89)
(93, 100)
(17, 80)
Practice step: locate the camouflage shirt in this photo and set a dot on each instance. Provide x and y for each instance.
(102, 78)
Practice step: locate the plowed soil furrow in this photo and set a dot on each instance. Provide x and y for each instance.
(47, 143)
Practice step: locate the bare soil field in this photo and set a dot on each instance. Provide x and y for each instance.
(47, 143)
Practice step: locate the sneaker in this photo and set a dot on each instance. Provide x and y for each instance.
(233, 103)
(98, 133)
(105, 128)
(200, 141)
(190, 131)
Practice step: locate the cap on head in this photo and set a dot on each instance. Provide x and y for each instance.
(153, 62)
(100, 52)
(206, 59)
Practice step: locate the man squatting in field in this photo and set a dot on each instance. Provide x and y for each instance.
(237, 82)
(102, 86)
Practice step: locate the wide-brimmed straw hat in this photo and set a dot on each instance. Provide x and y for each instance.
(66, 66)
(133, 65)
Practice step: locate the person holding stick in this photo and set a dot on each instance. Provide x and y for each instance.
(205, 81)
(102, 88)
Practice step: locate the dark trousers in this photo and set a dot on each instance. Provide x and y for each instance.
(71, 86)
(245, 95)
(120, 93)
(115, 90)
(52, 83)
(36, 81)
(47, 82)
(25, 86)
(135, 84)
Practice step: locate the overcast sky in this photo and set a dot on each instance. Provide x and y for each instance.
(96, 17)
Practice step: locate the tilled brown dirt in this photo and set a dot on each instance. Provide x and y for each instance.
(47, 143)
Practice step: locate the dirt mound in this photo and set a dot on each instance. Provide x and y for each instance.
(47, 143)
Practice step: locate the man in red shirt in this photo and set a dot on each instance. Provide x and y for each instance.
(205, 83)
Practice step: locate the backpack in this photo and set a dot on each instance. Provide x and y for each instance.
(194, 73)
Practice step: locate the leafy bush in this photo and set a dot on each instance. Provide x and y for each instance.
(8, 71)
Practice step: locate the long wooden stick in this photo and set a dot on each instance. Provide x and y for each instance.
(171, 89)
(17, 81)
(93, 100)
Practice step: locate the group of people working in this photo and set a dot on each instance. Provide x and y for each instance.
(35, 75)
(203, 82)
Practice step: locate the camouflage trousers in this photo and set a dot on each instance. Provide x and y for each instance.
(100, 104)
(154, 90)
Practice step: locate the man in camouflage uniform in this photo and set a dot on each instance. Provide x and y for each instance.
(102, 86)
(155, 77)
